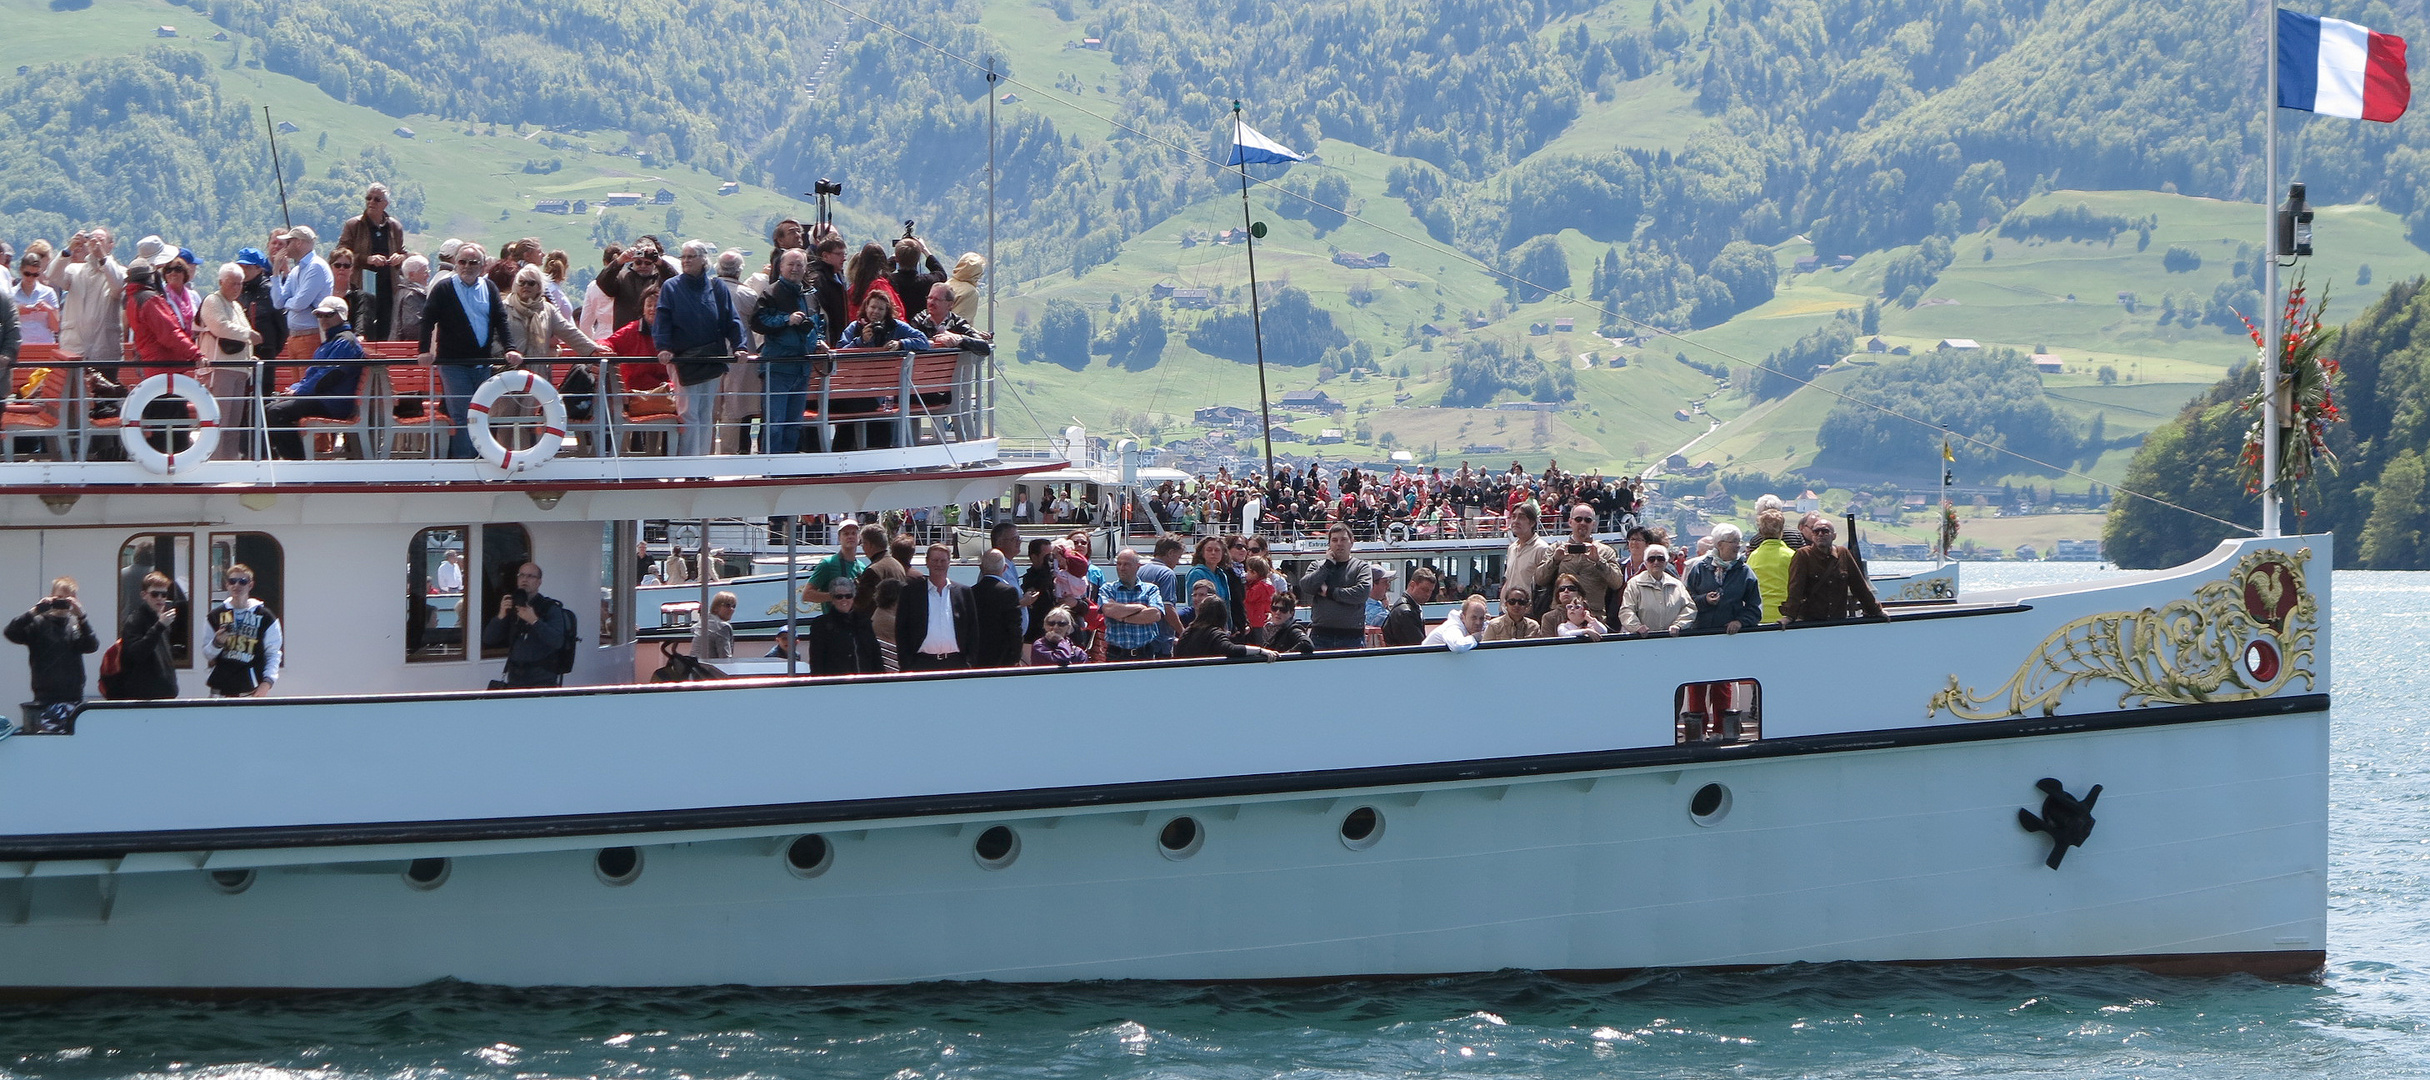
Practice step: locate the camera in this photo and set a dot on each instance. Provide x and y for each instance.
(907, 227)
(51, 603)
(1577, 549)
(522, 599)
(827, 187)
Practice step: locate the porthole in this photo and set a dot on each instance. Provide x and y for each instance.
(809, 856)
(427, 874)
(1709, 805)
(232, 882)
(1181, 838)
(617, 865)
(1361, 828)
(997, 847)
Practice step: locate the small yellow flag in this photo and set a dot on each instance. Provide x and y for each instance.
(1946, 453)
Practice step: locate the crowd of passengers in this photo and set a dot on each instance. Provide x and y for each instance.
(715, 340)
(1428, 503)
(887, 605)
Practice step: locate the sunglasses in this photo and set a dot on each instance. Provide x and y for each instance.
(1058, 623)
(157, 595)
(240, 581)
(1517, 601)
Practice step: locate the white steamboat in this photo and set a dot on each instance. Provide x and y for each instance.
(381, 820)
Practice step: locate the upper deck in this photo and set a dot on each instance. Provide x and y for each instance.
(885, 427)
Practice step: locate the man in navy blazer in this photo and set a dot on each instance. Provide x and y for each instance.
(921, 641)
(463, 327)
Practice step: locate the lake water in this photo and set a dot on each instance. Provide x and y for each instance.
(2369, 1019)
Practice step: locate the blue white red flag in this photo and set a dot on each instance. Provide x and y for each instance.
(2334, 67)
(1252, 148)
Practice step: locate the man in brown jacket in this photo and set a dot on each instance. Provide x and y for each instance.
(1826, 582)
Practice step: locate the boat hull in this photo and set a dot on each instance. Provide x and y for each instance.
(2210, 853)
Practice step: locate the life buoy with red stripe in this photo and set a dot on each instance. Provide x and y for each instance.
(552, 420)
(206, 423)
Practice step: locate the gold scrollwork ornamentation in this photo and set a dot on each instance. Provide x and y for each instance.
(2248, 635)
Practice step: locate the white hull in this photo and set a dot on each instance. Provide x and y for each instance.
(1875, 818)
(2210, 842)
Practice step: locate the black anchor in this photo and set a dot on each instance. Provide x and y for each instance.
(2068, 820)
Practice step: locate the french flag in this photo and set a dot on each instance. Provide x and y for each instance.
(2334, 67)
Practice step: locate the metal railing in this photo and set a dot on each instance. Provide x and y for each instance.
(399, 407)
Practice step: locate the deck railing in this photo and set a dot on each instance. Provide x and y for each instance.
(616, 406)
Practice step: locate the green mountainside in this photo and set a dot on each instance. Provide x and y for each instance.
(1633, 213)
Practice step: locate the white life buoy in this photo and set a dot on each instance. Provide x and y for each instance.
(206, 423)
(552, 420)
(1396, 533)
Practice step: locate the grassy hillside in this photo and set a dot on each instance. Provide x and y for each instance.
(1629, 76)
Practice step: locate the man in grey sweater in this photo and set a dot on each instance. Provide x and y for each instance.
(1336, 592)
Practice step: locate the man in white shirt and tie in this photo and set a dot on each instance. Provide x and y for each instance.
(933, 629)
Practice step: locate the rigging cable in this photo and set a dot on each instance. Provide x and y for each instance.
(1565, 295)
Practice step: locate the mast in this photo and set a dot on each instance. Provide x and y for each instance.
(2270, 417)
(1248, 235)
(991, 203)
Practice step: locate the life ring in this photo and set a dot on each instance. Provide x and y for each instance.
(1396, 533)
(206, 422)
(552, 420)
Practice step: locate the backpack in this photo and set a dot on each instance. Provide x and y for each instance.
(111, 663)
(562, 661)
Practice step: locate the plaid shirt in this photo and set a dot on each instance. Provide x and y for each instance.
(1124, 635)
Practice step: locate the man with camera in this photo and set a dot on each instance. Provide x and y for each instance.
(1593, 563)
(535, 631)
(911, 279)
(56, 638)
(643, 266)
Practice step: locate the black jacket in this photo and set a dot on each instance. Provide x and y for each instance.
(1405, 622)
(1208, 640)
(145, 670)
(832, 294)
(998, 605)
(530, 647)
(911, 619)
(55, 645)
(1291, 637)
(913, 285)
(445, 322)
(266, 316)
(835, 646)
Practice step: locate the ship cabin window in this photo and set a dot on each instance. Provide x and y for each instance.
(451, 587)
(260, 553)
(1724, 711)
(166, 553)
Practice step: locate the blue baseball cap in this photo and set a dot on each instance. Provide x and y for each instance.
(252, 257)
(186, 255)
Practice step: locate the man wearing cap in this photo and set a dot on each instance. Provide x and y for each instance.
(91, 284)
(327, 389)
(303, 279)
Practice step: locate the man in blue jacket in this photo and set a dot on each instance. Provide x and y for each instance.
(698, 332)
(791, 328)
(326, 389)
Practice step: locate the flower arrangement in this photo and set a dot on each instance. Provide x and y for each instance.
(2308, 403)
(1949, 527)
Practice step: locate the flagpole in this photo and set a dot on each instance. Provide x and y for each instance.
(1265, 417)
(1940, 535)
(2269, 283)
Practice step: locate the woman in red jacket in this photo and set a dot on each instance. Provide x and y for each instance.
(161, 341)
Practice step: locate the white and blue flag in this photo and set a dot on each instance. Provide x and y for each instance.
(1253, 148)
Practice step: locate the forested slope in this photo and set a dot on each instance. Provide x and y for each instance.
(2378, 502)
